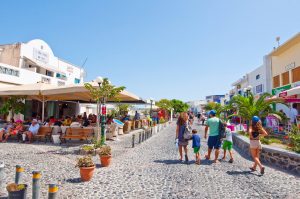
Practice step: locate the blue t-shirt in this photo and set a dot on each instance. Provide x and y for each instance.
(196, 140)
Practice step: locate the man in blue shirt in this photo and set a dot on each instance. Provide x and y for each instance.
(33, 130)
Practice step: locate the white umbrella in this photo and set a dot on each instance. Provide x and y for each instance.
(32, 91)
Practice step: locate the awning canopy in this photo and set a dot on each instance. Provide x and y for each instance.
(48, 92)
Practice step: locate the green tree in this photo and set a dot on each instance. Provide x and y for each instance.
(105, 92)
(218, 108)
(179, 106)
(247, 107)
(164, 104)
(13, 104)
(123, 108)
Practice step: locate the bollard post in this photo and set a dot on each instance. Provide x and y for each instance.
(52, 191)
(140, 137)
(36, 176)
(19, 172)
(143, 136)
(2, 178)
(133, 138)
(151, 132)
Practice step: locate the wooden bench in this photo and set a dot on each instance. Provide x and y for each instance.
(43, 133)
(78, 133)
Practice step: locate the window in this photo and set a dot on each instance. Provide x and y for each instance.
(257, 77)
(285, 78)
(77, 81)
(296, 74)
(259, 89)
(276, 81)
(61, 76)
(49, 73)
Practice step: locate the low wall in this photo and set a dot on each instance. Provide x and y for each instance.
(284, 159)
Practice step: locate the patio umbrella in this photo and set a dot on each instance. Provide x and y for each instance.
(79, 92)
(31, 91)
(46, 92)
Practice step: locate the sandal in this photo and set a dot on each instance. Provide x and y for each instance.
(206, 157)
(230, 161)
(252, 169)
(262, 171)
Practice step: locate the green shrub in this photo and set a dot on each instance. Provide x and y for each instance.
(265, 141)
(294, 136)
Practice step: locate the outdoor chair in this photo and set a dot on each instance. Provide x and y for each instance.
(44, 132)
(78, 133)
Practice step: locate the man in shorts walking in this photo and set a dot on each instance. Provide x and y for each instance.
(214, 141)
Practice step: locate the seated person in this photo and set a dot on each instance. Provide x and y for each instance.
(86, 122)
(52, 120)
(33, 130)
(67, 121)
(17, 130)
(6, 129)
(75, 123)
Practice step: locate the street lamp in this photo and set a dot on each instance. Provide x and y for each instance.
(99, 80)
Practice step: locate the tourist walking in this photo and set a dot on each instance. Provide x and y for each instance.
(227, 144)
(256, 130)
(196, 145)
(214, 141)
(182, 124)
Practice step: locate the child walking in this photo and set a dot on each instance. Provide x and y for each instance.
(196, 145)
(227, 144)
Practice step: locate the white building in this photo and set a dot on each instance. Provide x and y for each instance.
(32, 62)
(258, 80)
(197, 105)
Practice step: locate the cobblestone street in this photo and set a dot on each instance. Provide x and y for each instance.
(150, 170)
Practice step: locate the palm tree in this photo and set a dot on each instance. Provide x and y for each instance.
(247, 107)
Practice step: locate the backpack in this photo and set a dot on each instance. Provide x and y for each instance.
(222, 130)
(187, 132)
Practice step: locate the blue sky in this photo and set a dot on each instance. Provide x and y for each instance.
(156, 48)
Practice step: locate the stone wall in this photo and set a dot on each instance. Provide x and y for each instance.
(281, 158)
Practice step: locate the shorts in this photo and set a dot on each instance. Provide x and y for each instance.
(255, 144)
(227, 145)
(214, 142)
(196, 149)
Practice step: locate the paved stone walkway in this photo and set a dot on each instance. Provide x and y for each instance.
(150, 170)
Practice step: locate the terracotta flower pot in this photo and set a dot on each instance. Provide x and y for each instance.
(105, 160)
(86, 173)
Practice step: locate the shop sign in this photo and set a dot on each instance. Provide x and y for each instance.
(9, 71)
(290, 66)
(278, 90)
(41, 55)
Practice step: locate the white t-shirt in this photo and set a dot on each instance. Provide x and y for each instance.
(228, 135)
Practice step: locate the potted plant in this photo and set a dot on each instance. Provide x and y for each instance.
(16, 191)
(87, 150)
(105, 155)
(87, 167)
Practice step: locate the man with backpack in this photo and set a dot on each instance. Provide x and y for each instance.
(214, 139)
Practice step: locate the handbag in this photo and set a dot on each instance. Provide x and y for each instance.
(187, 132)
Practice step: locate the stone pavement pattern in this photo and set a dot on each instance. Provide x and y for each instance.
(150, 170)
